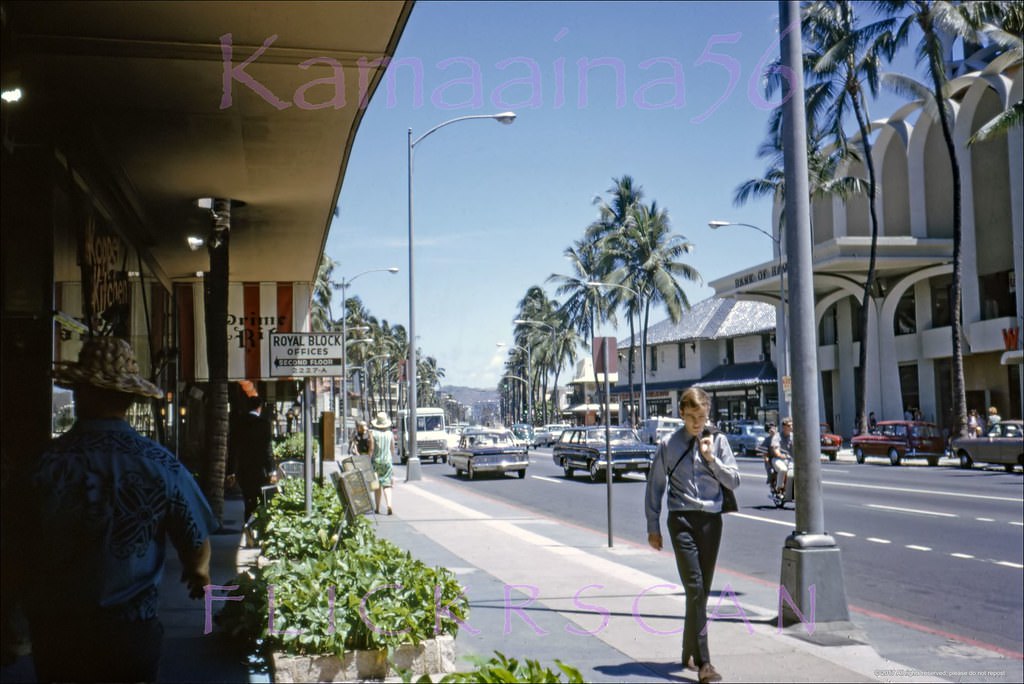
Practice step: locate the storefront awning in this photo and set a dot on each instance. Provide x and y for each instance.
(739, 376)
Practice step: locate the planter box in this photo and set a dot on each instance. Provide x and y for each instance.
(429, 657)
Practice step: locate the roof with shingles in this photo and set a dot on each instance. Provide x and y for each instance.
(711, 319)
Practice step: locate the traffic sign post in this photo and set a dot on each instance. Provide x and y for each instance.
(306, 354)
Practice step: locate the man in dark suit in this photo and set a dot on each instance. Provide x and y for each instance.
(252, 454)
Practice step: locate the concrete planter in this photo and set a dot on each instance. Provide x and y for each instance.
(431, 656)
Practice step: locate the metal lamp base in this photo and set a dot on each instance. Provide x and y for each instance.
(413, 469)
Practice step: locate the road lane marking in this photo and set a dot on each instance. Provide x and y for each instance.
(879, 541)
(1008, 564)
(1014, 499)
(1018, 524)
(962, 555)
(767, 520)
(845, 534)
(912, 510)
(985, 519)
(547, 479)
(915, 547)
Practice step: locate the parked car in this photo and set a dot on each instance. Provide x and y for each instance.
(830, 443)
(488, 450)
(899, 439)
(746, 438)
(549, 434)
(524, 433)
(1003, 444)
(583, 448)
(454, 433)
(653, 429)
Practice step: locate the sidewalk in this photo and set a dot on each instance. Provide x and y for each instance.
(541, 589)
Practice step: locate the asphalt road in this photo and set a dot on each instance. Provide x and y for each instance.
(940, 550)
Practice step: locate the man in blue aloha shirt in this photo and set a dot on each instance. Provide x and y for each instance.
(98, 506)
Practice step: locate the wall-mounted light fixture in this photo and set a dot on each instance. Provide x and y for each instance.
(195, 243)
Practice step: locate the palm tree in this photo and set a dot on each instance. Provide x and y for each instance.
(320, 316)
(613, 216)
(936, 21)
(647, 257)
(845, 57)
(1008, 37)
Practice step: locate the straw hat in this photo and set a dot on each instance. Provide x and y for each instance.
(107, 363)
(381, 422)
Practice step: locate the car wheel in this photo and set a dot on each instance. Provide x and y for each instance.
(894, 457)
(858, 453)
(469, 471)
(435, 458)
(522, 474)
(567, 469)
(832, 455)
(1008, 467)
(933, 461)
(965, 460)
(458, 473)
(595, 472)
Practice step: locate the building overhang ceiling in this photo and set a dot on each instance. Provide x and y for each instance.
(155, 104)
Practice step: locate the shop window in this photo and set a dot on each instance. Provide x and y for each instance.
(941, 295)
(766, 347)
(681, 351)
(730, 355)
(906, 314)
(909, 386)
(997, 290)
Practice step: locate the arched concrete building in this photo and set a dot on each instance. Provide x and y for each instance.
(909, 336)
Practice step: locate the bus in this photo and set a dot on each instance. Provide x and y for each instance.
(431, 438)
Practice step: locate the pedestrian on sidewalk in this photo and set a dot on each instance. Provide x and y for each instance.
(251, 455)
(362, 440)
(94, 512)
(383, 465)
(693, 469)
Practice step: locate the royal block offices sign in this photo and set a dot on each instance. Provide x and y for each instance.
(305, 354)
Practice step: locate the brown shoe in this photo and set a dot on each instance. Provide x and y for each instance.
(708, 673)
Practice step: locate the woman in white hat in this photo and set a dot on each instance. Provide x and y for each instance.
(383, 450)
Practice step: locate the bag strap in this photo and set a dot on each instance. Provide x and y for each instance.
(680, 460)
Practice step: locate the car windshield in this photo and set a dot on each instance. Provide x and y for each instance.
(615, 436)
(489, 439)
(755, 430)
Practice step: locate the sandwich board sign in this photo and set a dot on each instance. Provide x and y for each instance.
(305, 354)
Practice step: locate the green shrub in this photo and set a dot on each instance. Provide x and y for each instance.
(293, 447)
(286, 532)
(500, 668)
(365, 594)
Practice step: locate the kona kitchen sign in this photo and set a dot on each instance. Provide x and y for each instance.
(305, 354)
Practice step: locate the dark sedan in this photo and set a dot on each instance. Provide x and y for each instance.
(483, 450)
(583, 448)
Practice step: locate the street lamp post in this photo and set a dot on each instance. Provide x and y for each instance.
(343, 286)
(643, 353)
(781, 337)
(516, 377)
(412, 471)
(529, 380)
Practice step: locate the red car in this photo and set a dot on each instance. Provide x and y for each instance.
(899, 439)
(830, 443)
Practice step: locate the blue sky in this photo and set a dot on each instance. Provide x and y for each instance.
(496, 205)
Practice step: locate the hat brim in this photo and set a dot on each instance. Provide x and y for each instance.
(381, 425)
(71, 375)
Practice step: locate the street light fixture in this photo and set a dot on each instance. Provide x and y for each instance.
(643, 352)
(529, 383)
(412, 471)
(343, 286)
(782, 341)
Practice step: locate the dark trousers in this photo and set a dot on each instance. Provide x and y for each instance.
(695, 539)
(96, 650)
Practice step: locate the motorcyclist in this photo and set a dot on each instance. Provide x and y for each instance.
(780, 455)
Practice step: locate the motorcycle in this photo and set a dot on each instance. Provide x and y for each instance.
(780, 496)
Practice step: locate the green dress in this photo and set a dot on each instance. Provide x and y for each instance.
(383, 447)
